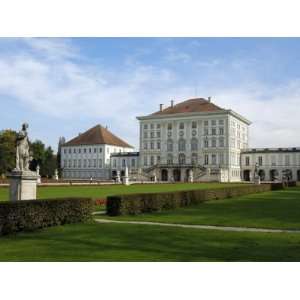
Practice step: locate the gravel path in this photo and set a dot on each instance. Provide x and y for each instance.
(209, 227)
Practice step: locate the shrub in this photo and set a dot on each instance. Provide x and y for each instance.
(34, 214)
(146, 203)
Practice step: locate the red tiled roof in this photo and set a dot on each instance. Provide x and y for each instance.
(191, 105)
(97, 135)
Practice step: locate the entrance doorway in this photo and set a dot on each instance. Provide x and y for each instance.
(262, 175)
(246, 175)
(274, 174)
(164, 175)
(176, 174)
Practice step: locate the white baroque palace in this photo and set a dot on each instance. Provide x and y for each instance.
(88, 155)
(192, 137)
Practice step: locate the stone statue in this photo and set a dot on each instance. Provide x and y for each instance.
(256, 170)
(22, 155)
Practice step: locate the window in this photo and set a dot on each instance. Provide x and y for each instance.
(152, 145)
(100, 163)
(221, 142)
(84, 150)
(214, 159)
(169, 126)
(145, 126)
(170, 145)
(213, 131)
(95, 150)
(221, 131)
(157, 159)
(152, 134)
(206, 159)
(65, 163)
(152, 126)
(69, 151)
(70, 163)
(181, 159)
(206, 123)
(287, 160)
(260, 161)
(90, 150)
(79, 163)
(114, 163)
(145, 134)
(79, 150)
(169, 159)
(145, 145)
(84, 163)
(213, 122)
(100, 150)
(75, 163)
(90, 163)
(95, 163)
(194, 124)
(194, 158)
(74, 150)
(145, 161)
(221, 158)
(65, 151)
(158, 134)
(152, 160)
(205, 143)
(221, 122)
(133, 162)
(158, 126)
(181, 145)
(194, 144)
(214, 143)
(247, 161)
(181, 126)
(123, 163)
(158, 145)
(205, 131)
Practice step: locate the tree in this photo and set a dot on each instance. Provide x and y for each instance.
(7, 150)
(49, 165)
(37, 149)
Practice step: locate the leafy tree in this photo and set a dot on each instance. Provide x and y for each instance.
(49, 165)
(7, 150)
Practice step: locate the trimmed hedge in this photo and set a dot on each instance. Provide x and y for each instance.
(30, 215)
(146, 203)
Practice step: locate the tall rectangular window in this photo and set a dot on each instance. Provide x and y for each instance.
(287, 160)
(247, 161)
(260, 161)
(133, 162)
(221, 158)
(214, 159)
(206, 159)
(194, 124)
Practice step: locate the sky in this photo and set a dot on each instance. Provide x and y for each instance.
(64, 86)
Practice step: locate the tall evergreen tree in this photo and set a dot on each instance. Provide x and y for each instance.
(7, 151)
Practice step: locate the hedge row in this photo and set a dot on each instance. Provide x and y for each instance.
(146, 203)
(34, 214)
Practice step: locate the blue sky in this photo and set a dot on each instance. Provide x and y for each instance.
(64, 86)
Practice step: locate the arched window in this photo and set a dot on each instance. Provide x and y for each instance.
(194, 144)
(181, 145)
(194, 158)
(181, 159)
(170, 145)
(169, 159)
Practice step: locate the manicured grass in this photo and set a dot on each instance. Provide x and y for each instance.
(121, 242)
(104, 191)
(277, 209)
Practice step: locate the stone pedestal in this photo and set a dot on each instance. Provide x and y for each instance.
(22, 185)
(191, 176)
(126, 177)
(256, 180)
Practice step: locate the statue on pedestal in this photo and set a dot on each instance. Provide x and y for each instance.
(23, 182)
(256, 177)
(22, 155)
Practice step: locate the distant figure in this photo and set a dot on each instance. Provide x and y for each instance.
(91, 179)
(22, 155)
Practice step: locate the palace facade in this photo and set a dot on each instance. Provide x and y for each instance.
(192, 138)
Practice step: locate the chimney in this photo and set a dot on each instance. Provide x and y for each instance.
(161, 107)
(172, 103)
(209, 99)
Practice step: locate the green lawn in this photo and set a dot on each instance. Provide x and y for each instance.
(120, 242)
(277, 209)
(104, 191)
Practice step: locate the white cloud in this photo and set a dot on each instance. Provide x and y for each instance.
(52, 78)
